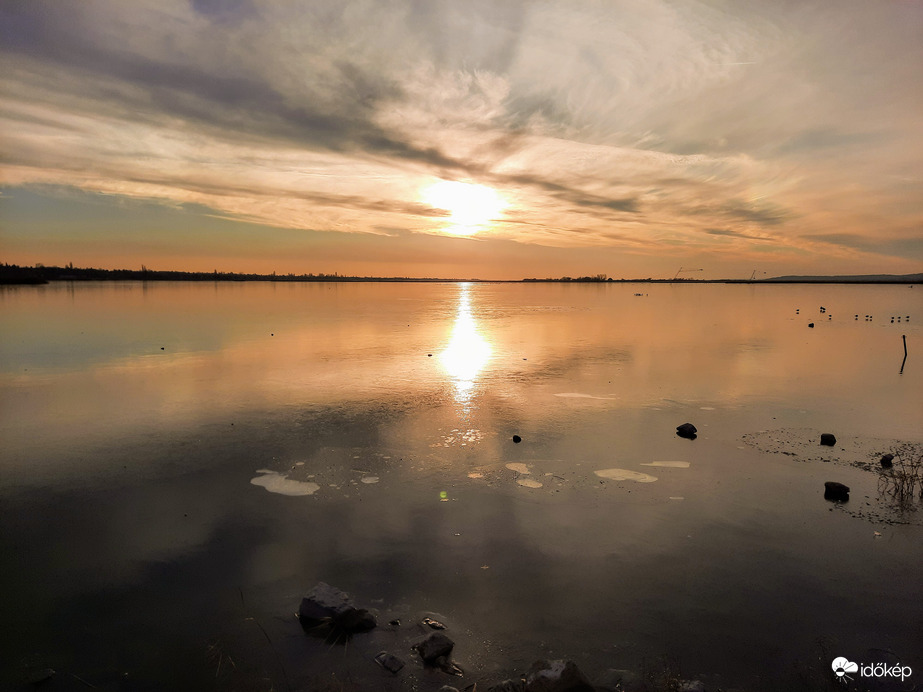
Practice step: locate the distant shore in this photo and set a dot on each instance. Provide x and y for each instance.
(11, 274)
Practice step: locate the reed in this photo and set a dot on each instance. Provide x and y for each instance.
(903, 482)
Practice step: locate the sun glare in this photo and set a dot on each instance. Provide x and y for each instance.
(471, 207)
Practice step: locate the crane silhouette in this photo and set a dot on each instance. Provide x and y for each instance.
(682, 270)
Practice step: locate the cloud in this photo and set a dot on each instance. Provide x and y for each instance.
(909, 247)
(671, 123)
(735, 234)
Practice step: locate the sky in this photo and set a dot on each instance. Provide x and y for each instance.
(461, 139)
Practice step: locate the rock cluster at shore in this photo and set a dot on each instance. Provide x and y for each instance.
(328, 612)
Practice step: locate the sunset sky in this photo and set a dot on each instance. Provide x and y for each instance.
(491, 139)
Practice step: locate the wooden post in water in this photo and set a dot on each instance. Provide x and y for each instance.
(904, 337)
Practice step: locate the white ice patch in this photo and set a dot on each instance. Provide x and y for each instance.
(369, 479)
(668, 464)
(518, 467)
(528, 483)
(625, 475)
(277, 483)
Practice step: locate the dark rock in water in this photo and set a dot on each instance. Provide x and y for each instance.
(322, 602)
(687, 430)
(828, 439)
(355, 621)
(887, 461)
(326, 611)
(434, 646)
(389, 662)
(556, 676)
(836, 491)
(517, 439)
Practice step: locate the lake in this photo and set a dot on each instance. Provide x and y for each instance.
(181, 463)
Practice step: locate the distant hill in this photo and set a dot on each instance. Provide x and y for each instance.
(850, 279)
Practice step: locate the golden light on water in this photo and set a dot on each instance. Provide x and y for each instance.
(471, 207)
(467, 351)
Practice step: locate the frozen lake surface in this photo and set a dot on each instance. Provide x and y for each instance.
(180, 463)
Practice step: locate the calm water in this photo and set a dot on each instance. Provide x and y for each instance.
(181, 462)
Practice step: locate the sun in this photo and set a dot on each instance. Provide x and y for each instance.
(471, 207)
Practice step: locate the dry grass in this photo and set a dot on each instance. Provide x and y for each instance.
(903, 482)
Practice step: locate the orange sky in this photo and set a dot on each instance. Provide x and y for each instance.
(476, 139)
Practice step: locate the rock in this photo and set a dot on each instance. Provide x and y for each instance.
(687, 430)
(887, 461)
(433, 624)
(329, 612)
(389, 662)
(836, 491)
(811, 325)
(517, 439)
(556, 676)
(435, 645)
(828, 439)
(322, 602)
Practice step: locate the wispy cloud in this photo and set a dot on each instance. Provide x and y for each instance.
(678, 125)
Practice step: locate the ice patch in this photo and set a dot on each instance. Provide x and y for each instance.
(518, 467)
(528, 483)
(668, 464)
(369, 479)
(277, 483)
(625, 475)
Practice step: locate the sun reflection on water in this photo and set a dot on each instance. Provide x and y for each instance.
(467, 351)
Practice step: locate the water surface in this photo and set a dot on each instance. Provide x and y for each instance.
(181, 462)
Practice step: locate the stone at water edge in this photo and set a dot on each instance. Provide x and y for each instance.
(836, 491)
(686, 430)
(435, 645)
(556, 676)
(887, 461)
(389, 662)
(324, 601)
(827, 439)
(325, 604)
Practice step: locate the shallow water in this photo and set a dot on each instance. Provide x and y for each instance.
(181, 462)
